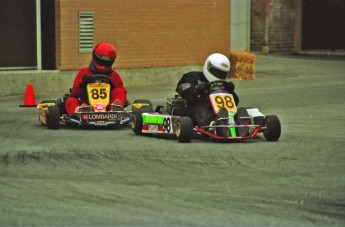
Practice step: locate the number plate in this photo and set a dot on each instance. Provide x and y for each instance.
(158, 123)
(98, 93)
(223, 100)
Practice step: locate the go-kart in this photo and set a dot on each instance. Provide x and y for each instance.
(99, 112)
(230, 122)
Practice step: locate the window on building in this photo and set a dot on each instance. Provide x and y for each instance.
(86, 32)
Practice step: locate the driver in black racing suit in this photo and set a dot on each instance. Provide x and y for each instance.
(192, 85)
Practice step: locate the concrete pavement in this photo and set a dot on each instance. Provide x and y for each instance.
(114, 177)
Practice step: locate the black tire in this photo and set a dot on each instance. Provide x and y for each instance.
(222, 113)
(184, 129)
(49, 101)
(242, 118)
(137, 119)
(53, 117)
(272, 128)
(61, 104)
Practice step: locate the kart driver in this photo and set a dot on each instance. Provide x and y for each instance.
(193, 84)
(103, 57)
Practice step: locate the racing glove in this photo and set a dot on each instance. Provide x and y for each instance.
(230, 86)
(85, 81)
(200, 88)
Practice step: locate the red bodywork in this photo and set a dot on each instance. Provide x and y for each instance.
(211, 135)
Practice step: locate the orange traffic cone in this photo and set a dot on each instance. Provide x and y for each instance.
(29, 100)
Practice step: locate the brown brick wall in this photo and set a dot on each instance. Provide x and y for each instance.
(146, 33)
(273, 25)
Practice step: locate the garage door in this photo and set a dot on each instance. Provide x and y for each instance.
(323, 24)
(18, 34)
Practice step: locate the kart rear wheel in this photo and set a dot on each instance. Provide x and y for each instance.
(61, 104)
(53, 117)
(137, 119)
(242, 118)
(184, 129)
(49, 101)
(272, 128)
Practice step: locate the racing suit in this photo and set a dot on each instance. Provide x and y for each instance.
(78, 95)
(198, 107)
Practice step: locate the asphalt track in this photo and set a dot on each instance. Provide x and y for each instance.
(77, 177)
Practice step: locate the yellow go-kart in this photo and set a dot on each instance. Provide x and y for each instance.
(99, 112)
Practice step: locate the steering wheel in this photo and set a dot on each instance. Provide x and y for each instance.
(103, 78)
(216, 85)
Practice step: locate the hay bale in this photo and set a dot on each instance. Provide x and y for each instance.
(242, 65)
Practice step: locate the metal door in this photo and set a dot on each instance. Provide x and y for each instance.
(18, 34)
(323, 25)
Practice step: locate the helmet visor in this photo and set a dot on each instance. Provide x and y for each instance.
(103, 60)
(220, 74)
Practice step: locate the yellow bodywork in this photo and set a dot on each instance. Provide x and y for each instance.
(98, 92)
(42, 111)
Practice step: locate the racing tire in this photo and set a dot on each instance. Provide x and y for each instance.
(272, 128)
(242, 118)
(53, 117)
(224, 131)
(137, 119)
(61, 104)
(49, 101)
(184, 129)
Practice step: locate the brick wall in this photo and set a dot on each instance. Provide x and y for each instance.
(273, 26)
(146, 33)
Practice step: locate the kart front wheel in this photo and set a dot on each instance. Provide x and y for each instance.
(137, 119)
(184, 129)
(242, 118)
(272, 128)
(53, 117)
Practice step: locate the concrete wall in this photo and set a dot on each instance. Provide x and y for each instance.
(58, 82)
(240, 24)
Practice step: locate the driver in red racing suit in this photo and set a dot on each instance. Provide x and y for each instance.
(103, 57)
(192, 85)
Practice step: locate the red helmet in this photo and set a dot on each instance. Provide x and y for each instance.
(103, 56)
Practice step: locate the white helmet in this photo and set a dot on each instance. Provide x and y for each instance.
(216, 67)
